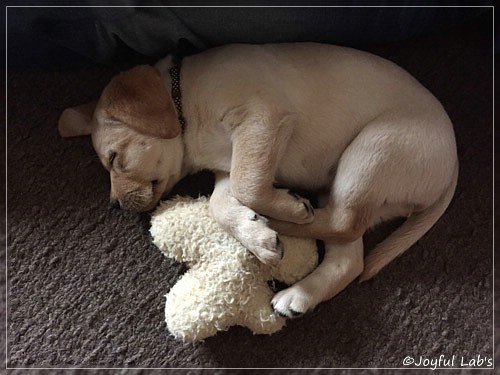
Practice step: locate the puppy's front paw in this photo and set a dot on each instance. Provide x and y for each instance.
(292, 302)
(261, 240)
(304, 211)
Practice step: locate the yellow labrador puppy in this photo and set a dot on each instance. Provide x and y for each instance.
(350, 125)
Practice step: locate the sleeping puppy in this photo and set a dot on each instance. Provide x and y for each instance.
(354, 127)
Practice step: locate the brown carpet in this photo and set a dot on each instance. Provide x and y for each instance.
(86, 285)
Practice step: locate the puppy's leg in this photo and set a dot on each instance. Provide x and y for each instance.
(341, 265)
(368, 175)
(258, 145)
(243, 223)
(335, 222)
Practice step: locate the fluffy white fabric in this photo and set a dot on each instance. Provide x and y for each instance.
(226, 285)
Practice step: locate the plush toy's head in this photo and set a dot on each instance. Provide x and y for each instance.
(226, 285)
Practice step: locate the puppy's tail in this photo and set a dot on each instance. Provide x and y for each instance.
(408, 233)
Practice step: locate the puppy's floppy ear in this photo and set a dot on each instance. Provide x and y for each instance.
(77, 120)
(139, 99)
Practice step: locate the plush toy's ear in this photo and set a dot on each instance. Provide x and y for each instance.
(76, 121)
(179, 225)
(139, 99)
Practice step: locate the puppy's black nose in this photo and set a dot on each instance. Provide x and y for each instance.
(114, 203)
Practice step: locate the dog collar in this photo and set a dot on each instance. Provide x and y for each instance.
(175, 72)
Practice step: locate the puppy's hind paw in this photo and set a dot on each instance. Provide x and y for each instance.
(292, 302)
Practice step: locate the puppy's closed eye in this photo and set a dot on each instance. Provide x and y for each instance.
(112, 156)
(116, 163)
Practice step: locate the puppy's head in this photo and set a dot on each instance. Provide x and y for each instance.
(136, 133)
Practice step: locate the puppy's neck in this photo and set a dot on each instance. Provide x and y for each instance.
(170, 70)
(164, 66)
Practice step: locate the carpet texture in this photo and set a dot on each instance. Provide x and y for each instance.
(86, 285)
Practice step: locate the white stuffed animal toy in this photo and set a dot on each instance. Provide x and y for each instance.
(226, 285)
